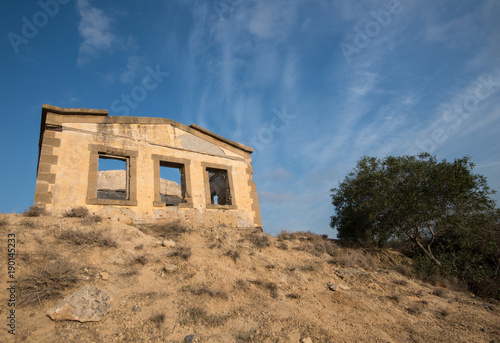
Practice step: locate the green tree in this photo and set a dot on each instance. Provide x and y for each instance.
(409, 198)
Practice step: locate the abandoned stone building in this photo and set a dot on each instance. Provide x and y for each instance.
(142, 169)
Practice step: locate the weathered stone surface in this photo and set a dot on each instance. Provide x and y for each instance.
(191, 339)
(72, 154)
(170, 268)
(112, 179)
(88, 304)
(335, 287)
(191, 142)
(168, 243)
(170, 187)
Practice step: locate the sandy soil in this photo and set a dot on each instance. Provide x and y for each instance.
(230, 287)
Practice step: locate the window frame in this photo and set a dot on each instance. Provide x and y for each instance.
(184, 166)
(96, 151)
(208, 198)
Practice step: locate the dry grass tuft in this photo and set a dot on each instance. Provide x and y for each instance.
(157, 319)
(234, 254)
(4, 222)
(439, 292)
(87, 237)
(312, 243)
(170, 230)
(350, 258)
(270, 286)
(51, 276)
(182, 252)
(92, 219)
(415, 309)
(196, 315)
(34, 211)
(260, 240)
(394, 298)
(27, 223)
(205, 290)
(405, 270)
(77, 212)
(400, 282)
(142, 260)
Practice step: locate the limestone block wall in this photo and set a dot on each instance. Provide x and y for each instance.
(72, 141)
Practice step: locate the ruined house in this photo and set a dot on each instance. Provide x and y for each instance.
(142, 169)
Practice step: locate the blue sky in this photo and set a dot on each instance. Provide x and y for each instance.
(311, 85)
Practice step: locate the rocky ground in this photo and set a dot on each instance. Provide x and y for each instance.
(175, 283)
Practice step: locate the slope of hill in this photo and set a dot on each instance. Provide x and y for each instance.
(169, 281)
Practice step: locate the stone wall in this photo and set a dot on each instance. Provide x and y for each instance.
(73, 140)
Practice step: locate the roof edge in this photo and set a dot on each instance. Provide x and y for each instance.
(225, 140)
(82, 111)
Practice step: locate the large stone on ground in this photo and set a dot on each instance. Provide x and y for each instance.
(88, 304)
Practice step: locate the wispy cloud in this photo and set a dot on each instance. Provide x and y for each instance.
(95, 29)
(134, 64)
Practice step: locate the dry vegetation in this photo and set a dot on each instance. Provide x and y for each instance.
(230, 285)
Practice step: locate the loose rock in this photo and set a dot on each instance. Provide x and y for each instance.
(88, 304)
(306, 340)
(168, 243)
(334, 287)
(191, 339)
(170, 268)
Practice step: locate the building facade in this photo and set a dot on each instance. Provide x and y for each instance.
(142, 169)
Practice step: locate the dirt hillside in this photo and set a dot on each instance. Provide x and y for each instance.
(167, 282)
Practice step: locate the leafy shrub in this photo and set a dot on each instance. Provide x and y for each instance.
(34, 211)
(77, 212)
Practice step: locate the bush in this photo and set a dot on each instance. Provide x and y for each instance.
(77, 212)
(261, 241)
(34, 211)
(48, 280)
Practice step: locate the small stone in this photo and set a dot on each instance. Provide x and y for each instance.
(168, 243)
(334, 287)
(134, 308)
(191, 339)
(104, 276)
(169, 268)
(306, 340)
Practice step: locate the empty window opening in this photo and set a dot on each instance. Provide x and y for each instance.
(112, 178)
(172, 185)
(220, 194)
